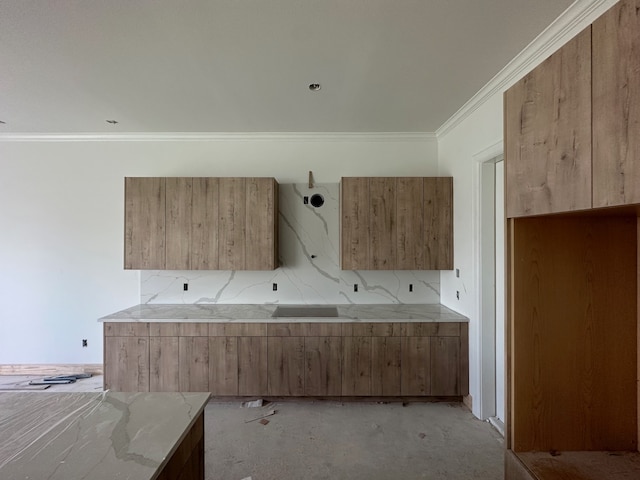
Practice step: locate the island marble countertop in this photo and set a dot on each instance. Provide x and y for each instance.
(105, 435)
(263, 313)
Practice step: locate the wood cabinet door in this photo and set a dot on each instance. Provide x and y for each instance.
(126, 361)
(445, 366)
(356, 366)
(164, 373)
(385, 366)
(223, 365)
(409, 223)
(548, 134)
(231, 227)
(179, 195)
(323, 366)
(252, 366)
(204, 224)
(382, 223)
(438, 223)
(616, 106)
(416, 366)
(354, 231)
(144, 223)
(193, 362)
(285, 358)
(260, 224)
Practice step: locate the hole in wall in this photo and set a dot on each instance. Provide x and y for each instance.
(317, 200)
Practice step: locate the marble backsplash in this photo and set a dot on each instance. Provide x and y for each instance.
(309, 270)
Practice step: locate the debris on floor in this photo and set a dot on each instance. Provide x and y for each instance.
(422, 435)
(264, 421)
(252, 404)
(268, 414)
(60, 379)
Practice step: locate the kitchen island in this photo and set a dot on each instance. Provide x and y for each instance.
(387, 350)
(105, 435)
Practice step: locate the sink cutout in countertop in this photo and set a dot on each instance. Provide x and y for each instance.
(305, 311)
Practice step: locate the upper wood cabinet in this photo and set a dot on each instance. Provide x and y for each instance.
(616, 106)
(181, 223)
(144, 223)
(396, 223)
(548, 134)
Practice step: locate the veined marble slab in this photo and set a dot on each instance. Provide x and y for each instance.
(263, 313)
(107, 435)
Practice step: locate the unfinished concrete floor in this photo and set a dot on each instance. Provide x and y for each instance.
(331, 440)
(313, 440)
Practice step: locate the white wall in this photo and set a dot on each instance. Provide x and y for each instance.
(61, 211)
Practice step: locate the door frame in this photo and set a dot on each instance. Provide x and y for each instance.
(485, 267)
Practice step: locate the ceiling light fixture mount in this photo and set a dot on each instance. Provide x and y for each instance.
(314, 87)
(112, 122)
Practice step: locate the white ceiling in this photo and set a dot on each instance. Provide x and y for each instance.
(245, 65)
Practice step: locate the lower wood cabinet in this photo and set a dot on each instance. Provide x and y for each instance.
(289, 359)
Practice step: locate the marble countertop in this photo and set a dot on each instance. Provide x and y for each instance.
(102, 435)
(263, 313)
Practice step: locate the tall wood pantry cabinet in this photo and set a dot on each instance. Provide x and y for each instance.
(201, 223)
(572, 164)
(396, 223)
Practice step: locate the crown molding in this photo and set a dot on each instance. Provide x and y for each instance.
(222, 137)
(578, 16)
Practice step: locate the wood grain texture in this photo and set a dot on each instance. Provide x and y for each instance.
(126, 329)
(368, 329)
(178, 198)
(429, 329)
(385, 367)
(223, 365)
(323, 366)
(356, 366)
(354, 225)
(164, 329)
(252, 366)
(409, 223)
(616, 105)
(126, 362)
(285, 357)
(261, 224)
(237, 329)
(416, 361)
(231, 229)
(382, 223)
(438, 223)
(548, 134)
(144, 223)
(164, 374)
(573, 328)
(205, 223)
(193, 362)
(580, 465)
(445, 366)
(193, 329)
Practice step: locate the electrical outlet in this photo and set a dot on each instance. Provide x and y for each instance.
(185, 286)
(411, 287)
(457, 294)
(305, 200)
(458, 272)
(84, 342)
(355, 287)
(275, 287)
